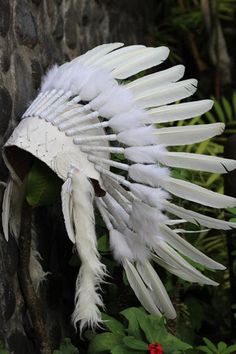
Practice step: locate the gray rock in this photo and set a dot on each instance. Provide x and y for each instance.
(6, 109)
(25, 26)
(5, 17)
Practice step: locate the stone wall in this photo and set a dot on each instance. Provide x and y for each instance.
(34, 35)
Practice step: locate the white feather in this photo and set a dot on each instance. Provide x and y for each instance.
(167, 94)
(198, 194)
(147, 59)
(179, 272)
(6, 204)
(188, 134)
(66, 202)
(176, 112)
(145, 154)
(92, 56)
(196, 162)
(113, 101)
(117, 57)
(151, 175)
(119, 247)
(140, 251)
(152, 154)
(124, 121)
(140, 289)
(175, 260)
(145, 221)
(158, 291)
(151, 81)
(197, 218)
(92, 271)
(182, 246)
(138, 136)
(49, 78)
(152, 196)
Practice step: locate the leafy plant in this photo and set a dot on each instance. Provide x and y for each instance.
(141, 331)
(220, 348)
(66, 347)
(43, 186)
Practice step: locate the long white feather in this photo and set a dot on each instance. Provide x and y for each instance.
(152, 154)
(92, 271)
(146, 60)
(184, 247)
(154, 197)
(175, 260)
(6, 204)
(140, 289)
(160, 78)
(66, 203)
(197, 218)
(189, 134)
(198, 194)
(158, 291)
(166, 94)
(177, 112)
(120, 247)
(113, 59)
(139, 136)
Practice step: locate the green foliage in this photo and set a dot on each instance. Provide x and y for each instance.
(66, 347)
(42, 186)
(141, 330)
(221, 348)
(2, 349)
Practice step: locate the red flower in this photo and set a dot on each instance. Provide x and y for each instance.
(155, 349)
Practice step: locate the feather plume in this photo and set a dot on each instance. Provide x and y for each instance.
(146, 60)
(138, 136)
(197, 218)
(198, 194)
(92, 271)
(120, 247)
(158, 291)
(159, 78)
(184, 247)
(167, 94)
(6, 204)
(66, 209)
(189, 134)
(140, 289)
(175, 260)
(152, 154)
(177, 112)
(154, 197)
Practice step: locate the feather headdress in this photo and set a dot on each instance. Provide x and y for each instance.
(83, 115)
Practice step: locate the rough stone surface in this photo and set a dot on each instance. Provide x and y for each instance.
(35, 34)
(5, 17)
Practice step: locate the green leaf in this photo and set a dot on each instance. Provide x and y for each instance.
(42, 186)
(103, 342)
(230, 349)
(219, 111)
(103, 244)
(210, 345)
(171, 344)
(153, 327)
(222, 346)
(204, 349)
(66, 347)
(113, 325)
(227, 108)
(133, 325)
(120, 349)
(134, 343)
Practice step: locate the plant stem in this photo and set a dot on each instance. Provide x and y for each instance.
(32, 300)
